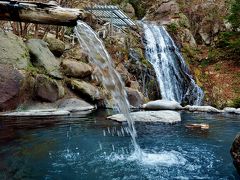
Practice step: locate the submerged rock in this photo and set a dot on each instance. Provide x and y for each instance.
(150, 116)
(209, 109)
(76, 69)
(10, 85)
(74, 105)
(42, 57)
(162, 105)
(235, 153)
(13, 51)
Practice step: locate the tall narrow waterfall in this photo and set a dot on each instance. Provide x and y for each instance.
(110, 78)
(173, 75)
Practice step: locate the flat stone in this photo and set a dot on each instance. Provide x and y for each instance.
(162, 105)
(37, 113)
(150, 116)
(209, 109)
(229, 110)
(75, 105)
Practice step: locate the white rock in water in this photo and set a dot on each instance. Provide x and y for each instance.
(237, 111)
(209, 109)
(163, 105)
(229, 110)
(37, 113)
(150, 116)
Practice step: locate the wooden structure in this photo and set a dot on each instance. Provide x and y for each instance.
(39, 13)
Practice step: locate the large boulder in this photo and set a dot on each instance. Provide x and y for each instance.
(13, 51)
(76, 69)
(235, 152)
(85, 90)
(163, 11)
(47, 89)
(150, 116)
(10, 86)
(162, 105)
(74, 105)
(208, 109)
(42, 57)
(135, 98)
(56, 46)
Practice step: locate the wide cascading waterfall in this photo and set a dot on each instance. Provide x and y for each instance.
(173, 75)
(111, 80)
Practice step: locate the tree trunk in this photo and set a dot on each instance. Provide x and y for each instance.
(39, 13)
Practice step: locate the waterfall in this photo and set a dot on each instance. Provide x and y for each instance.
(173, 75)
(92, 45)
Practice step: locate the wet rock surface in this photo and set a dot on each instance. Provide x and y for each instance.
(150, 116)
(135, 98)
(162, 105)
(235, 152)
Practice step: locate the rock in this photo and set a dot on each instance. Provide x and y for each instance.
(135, 98)
(10, 86)
(42, 57)
(163, 12)
(237, 111)
(134, 85)
(229, 110)
(74, 105)
(163, 105)
(235, 153)
(209, 109)
(150, 116)
(85, 90)
(56, 46)
(13, 51)
(47, 89)
(128, 8)
(76, 69)
(37, 113)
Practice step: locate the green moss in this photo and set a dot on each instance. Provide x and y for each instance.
(173, 27)
(236, 103)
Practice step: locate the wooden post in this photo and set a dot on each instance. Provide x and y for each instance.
(39, 13)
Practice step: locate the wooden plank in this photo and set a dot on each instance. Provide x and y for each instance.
(40, 13)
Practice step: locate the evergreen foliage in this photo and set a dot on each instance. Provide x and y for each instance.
(234, 17)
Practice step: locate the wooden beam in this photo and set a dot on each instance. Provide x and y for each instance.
(40, 13)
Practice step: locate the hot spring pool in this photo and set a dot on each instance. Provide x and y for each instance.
(91, 147)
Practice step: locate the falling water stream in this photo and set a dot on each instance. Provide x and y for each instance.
(111, 80)
(173, 75)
